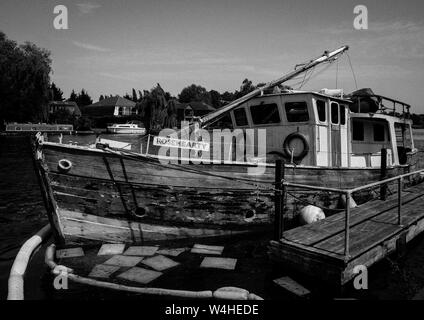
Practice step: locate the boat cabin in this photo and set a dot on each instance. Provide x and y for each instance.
(316, 129)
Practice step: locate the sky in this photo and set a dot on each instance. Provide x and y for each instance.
(112, 46)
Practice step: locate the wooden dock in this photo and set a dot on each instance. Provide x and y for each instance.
(330, 249)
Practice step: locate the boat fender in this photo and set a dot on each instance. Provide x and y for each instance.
(311, 214)
(64, 165)
(287, 150)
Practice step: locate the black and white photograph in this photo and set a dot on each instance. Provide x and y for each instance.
(211, 158)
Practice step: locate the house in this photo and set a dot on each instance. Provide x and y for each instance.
(187, 111)
(69, 106)
(114, 106)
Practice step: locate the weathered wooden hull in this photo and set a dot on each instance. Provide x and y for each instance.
(116, 197)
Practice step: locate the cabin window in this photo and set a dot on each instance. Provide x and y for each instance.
(240, 117)
(403, 135)
(265, 114)
(357, 131)
(120, 111)
(342, 115)
(223, 122)
(297, 111)
(134, 111)
(334, 113)
(378, 132)
(322, 116)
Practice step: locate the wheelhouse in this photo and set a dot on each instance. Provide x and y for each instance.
(316, 129)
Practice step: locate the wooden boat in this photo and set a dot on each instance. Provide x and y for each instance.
(127, 128)
(112, 195)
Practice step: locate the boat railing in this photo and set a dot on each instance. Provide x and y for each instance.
(399, 179)
(387, 105)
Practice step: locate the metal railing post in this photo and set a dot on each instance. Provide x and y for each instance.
(347, 225)
(400, 183)
(278, 196)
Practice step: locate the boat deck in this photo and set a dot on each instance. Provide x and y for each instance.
(318, 249)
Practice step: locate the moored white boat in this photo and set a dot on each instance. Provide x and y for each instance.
(127, 128)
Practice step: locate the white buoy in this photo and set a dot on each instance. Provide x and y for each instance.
(311, 214)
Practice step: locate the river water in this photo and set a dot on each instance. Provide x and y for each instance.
(22, 214)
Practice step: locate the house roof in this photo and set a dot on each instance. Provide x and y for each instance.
(113, 101)
(196, 106)
(106, 107)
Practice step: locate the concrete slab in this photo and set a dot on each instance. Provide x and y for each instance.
(141, 251)
(69, 253)
(172, 252)
(292, 286)
(123, 261)
(160, 263)
(103, 271)
(219, 263)
(140, 275)
(111, 249)
(205, 249)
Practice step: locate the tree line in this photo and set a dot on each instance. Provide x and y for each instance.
(157, 107)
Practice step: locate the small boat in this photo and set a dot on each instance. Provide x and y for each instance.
(116, 195)
(127, 128)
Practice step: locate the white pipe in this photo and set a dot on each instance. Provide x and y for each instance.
(223, 293)
(16, 277)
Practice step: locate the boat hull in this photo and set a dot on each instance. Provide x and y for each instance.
(111, 197)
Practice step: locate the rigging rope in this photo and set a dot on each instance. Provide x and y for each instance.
(337, 72)
(353, 72)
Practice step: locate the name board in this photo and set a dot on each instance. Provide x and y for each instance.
(182, 144)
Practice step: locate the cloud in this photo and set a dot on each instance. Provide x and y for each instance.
(90, 47)
(86, 8)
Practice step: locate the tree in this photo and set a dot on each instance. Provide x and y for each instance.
(55, 93)
(82, 123)
(83, 99)
(215, 99)
(156, 111)
(246, 87)
(73, 97)
(227, 97)
(24, 81)
(101, 97)
(134, 95)
(194, 93)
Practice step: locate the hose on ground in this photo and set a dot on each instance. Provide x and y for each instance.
(228, 293)
(17, 272)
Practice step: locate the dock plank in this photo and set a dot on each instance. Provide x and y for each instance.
(368, 233)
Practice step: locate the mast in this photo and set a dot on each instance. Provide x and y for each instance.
(326, 56)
